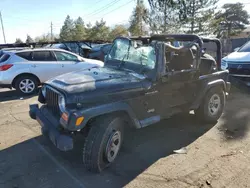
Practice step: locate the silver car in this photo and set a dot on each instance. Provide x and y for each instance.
(25, 70)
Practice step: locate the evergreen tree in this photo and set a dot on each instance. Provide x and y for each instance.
(118, 30)
(163, 16)
(137, 20)
(18, 41)
(43, 38)
(79, 30)
(196, 14)
(29, 39)
(231, 20)
(67, 30)
(99, 31)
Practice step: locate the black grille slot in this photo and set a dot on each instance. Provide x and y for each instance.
(52, 101)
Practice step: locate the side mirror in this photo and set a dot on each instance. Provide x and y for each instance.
(236, 49)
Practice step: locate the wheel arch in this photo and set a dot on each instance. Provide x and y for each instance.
(208, 86)
(24, 74)
(114, 109)
(121, 113)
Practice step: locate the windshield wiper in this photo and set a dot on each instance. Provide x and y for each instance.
(122, 62)
(123, 59)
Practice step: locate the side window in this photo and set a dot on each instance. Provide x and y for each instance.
(25, 55)
(42, 56)
(62, 56)
(4, 58)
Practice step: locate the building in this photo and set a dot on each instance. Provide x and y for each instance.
(243, 34)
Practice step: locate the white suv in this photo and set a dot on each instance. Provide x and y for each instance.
(25, 70)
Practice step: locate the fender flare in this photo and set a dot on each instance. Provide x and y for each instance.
(107, 109)
(206, 88)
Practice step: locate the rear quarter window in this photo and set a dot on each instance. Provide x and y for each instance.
(4, 58)
(25, 55)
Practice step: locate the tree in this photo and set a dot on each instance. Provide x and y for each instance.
(157, 25)
(18, 41)
(29, 39)
(163, 16)
(79, 29)
(43, 38)
(137, 23)
(99, 31)
(88, 30)
(67, 30)
(118, 30)
(231, 20)
(196, 14)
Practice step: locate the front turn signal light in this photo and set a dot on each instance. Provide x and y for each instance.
(79, 121)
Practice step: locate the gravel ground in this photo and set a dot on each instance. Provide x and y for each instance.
(216, 155)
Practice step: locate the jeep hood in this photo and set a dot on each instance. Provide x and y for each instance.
(96, 81)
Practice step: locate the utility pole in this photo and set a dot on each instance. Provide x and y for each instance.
(1, 19)
(51, 31)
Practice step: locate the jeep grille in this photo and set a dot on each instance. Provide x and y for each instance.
(52, 101)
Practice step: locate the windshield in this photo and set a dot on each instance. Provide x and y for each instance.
(134, 52)
(245, 47)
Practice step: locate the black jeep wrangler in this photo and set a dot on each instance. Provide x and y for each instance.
(143, 81)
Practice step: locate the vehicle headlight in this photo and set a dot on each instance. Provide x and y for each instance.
(224, 65)
(61, 102)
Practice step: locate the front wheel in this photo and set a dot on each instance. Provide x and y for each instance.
(212, 106)
(103, 142)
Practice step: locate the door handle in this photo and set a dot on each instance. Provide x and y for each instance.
(33, 65)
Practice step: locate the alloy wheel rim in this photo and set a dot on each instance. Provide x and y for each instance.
(27, 86)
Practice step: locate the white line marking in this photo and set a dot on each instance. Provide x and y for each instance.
(58, 164)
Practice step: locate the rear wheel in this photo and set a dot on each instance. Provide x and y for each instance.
(26, 85)
(103, 142)
(212, 106)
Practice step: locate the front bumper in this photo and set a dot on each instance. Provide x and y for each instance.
(50, 127)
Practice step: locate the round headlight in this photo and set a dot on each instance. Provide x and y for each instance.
(43, 89)
(61, 103)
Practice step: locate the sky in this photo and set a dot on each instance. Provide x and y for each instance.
(22, 17)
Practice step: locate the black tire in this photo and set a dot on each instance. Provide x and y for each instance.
(95, 148)
(31, 80)
(205, 112)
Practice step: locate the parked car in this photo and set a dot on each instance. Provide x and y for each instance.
(238, 62)
(79, 49)
(15, 49)
(142, 83)
(99, 51)
(25, 70)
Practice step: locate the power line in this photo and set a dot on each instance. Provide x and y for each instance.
(1, 19)
(98, 1)
(102, 8)
(116, 9)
